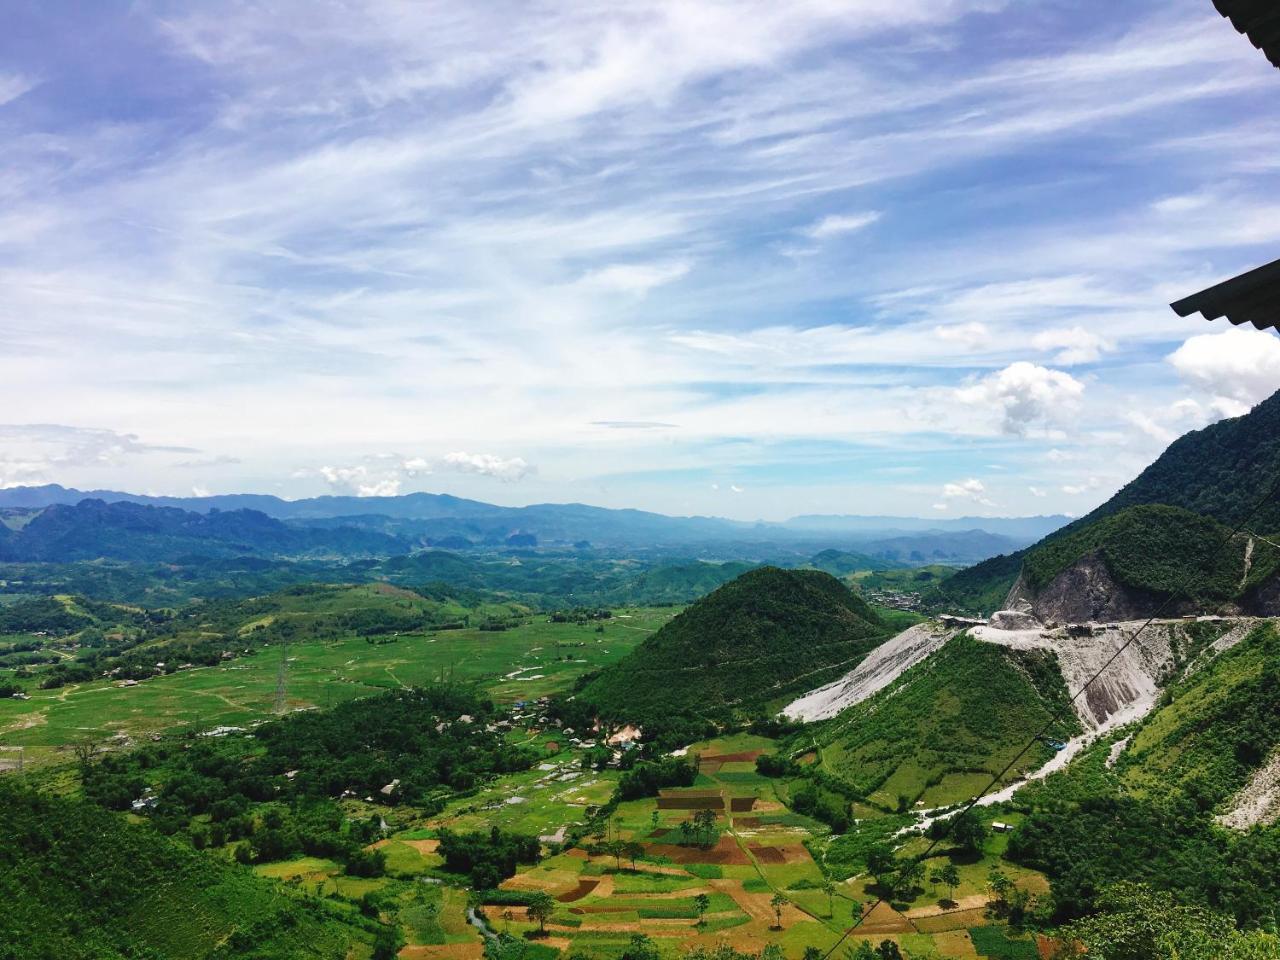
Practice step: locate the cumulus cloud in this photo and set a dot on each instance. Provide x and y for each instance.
(1025, 394)
(362, 480)
(1237, 368)
(1038, 492)
(1083, 486)
(1075, 345)
(838, 224)
(486, 464)
(971, 489)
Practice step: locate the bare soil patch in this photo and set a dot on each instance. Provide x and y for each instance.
(884, 919)
(767, 854)
(725, 852)
(583, 888)
(955, 920)
(423, 846)
(742, 804)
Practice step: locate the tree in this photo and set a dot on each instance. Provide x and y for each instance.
(967, 831)
(654, 817)
(541, 907)
(386, 943)
(999, 884)
(86, 750)
(615, 849)
(704, 822)
(888, 950)
(778, 902)
(686, 833)
(701, 903)
(633, 851)
(907, 878)
(641, 947)
(949, 877)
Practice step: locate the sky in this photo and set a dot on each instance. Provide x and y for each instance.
(728, 257)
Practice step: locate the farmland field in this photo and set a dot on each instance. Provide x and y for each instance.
(526, 661)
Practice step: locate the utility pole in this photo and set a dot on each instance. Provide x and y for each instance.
(282, 698)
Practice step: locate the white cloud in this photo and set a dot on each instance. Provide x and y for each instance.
(839, 224)
(1075, 489)
(506, 469)
(199, 491)
(1075, 345)
(942, 506)
(1238, 368)
(362, 480)
(13, 85)
(1025, 394)
(635, 279)
(734, 488)
(1038, 492)
(971, 489)
(971, 335)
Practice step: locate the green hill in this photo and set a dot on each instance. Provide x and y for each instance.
(78, 883)
(766, 636)
(942, 730)
(1218, 473)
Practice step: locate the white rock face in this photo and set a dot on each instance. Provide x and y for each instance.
(883, 666)
(1129, 686)
(1014, 620)
(1258, 802)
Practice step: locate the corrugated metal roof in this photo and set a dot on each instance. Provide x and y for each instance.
(1252, 297)
(1259, 20)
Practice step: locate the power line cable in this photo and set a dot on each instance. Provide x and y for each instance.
(1056, 716)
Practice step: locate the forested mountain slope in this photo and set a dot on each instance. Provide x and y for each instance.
(1218, 474)
(746, 647)
(78, 883)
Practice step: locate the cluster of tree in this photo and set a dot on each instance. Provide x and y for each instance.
(580, 615)
(827, 806)
(487, 858)
(427, 739)
(42, 615)
(699, 830)
(646, 778)
(1134, 921)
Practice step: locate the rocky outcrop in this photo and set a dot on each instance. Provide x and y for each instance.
(1014, 620)
(1086, 591)
(881, 667)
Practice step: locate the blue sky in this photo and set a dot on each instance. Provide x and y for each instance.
(738, 258)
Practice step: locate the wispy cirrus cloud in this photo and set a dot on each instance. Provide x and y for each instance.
(372, 226)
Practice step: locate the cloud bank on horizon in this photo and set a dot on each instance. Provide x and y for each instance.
(732, 257)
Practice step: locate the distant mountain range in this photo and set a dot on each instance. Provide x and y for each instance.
(386, 525)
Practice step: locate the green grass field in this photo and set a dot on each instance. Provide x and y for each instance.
(522, 663)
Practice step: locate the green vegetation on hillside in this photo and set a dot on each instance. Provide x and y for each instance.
(1218, 473)
(1150, 817)
(768, 635)
(943, 729)
(79, 883)
(1154, 548)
